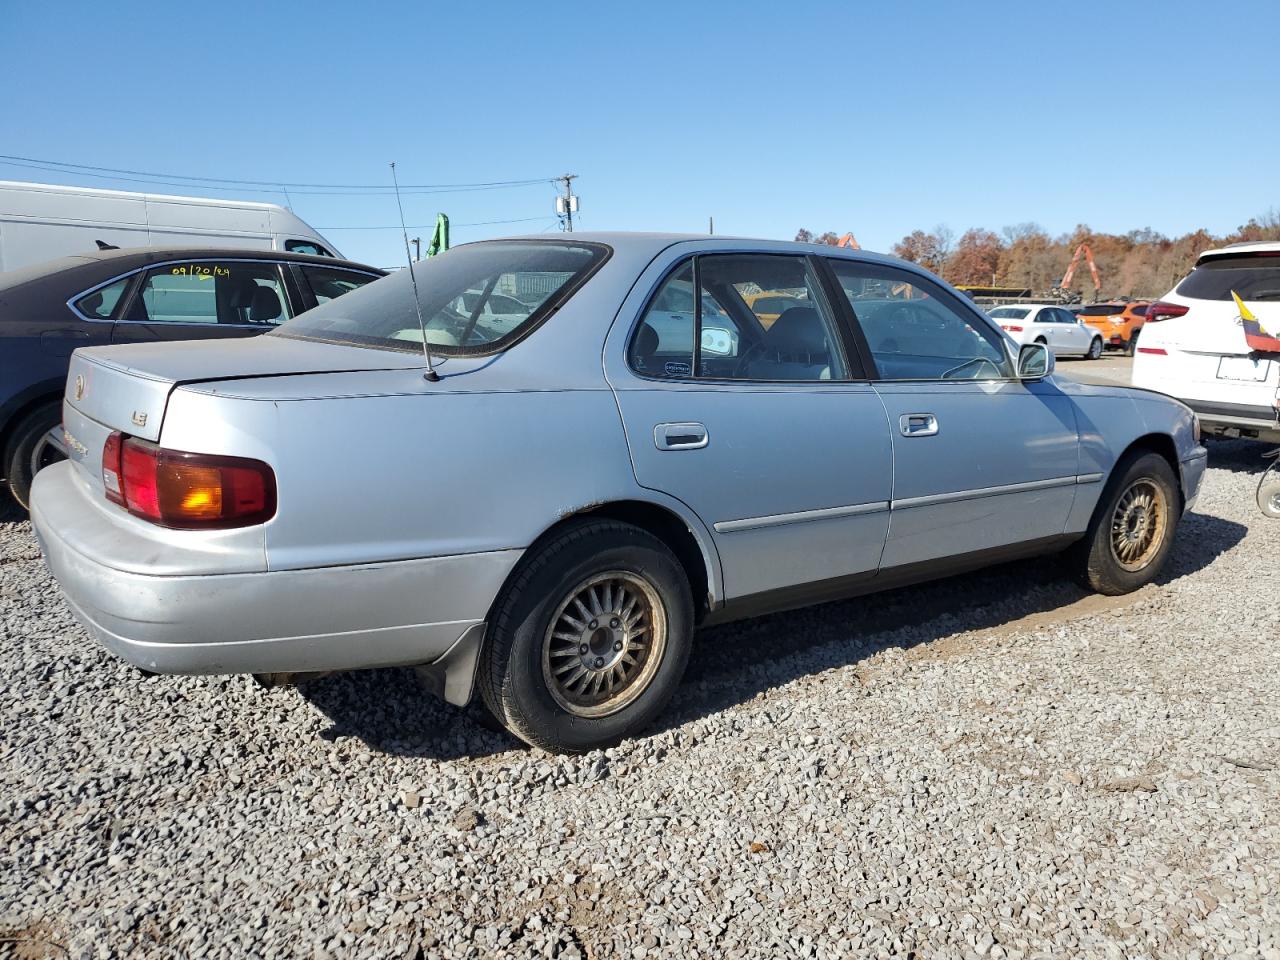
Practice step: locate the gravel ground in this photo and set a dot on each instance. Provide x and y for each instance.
(997, 765)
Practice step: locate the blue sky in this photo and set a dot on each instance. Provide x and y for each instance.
(872, 117)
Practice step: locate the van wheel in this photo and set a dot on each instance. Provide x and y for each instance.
(1269, 494)
(30, 449)
(1132, 528)
(1095, 349)
(589, 641)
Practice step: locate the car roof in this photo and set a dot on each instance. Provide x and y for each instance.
(1252, 246)
(1029, 306)
(135, 256)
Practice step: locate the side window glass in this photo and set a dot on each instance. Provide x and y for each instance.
(100, 304)
(306, 246)
(234, 292)
(915, 330)
(761, 319)
(328, 284)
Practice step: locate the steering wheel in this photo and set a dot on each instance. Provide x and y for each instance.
(976, 362)
(749, 354)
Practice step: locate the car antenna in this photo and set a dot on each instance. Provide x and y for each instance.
(431, 374)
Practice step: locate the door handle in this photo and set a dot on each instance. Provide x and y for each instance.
(918, 424)
(680, 436)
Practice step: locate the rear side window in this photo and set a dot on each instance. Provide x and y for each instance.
(210, 291)
(100, 304)
(1139, 311)
(1251, 276)
(328, 283)
(475, 299)
(721, 326)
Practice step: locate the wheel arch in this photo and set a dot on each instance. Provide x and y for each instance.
(691, 545)
(1161, 444)
(21, 405)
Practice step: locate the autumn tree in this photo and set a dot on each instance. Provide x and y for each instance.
(976, 259)
(926, 249)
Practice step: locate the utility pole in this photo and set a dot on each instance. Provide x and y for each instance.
(567, 205)
(711, 225)
(417, 248)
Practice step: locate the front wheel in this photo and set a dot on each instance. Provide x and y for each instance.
(1269, 493)
(31, 449)
(1095, 349)
(1131, 533)
(589, 641)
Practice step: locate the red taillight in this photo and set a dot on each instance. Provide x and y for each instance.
(1154, 351)
(1163, 310)
(186, 490)
(1011, 329)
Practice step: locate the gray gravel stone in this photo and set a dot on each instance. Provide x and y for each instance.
(996, 765)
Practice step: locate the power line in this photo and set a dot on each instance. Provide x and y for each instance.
(428, 226)
(258, 186)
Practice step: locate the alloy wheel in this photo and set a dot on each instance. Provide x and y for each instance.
(1139, 524)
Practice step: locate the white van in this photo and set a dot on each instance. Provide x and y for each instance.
(40, 222)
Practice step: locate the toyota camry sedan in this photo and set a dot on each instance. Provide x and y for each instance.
(544, 505)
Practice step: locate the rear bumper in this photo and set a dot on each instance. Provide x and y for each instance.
(428, 611)
(1217, 417)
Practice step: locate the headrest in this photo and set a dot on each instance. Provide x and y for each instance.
(242, 292)
(646, 344)
(797, 330)
(265, 306)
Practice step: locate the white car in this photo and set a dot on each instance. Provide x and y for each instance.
(1056, 327)
(1193, 343)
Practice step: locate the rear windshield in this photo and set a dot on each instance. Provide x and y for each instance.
(1008, 313)
(1251, 276)
(475, 299)
(1101, 310)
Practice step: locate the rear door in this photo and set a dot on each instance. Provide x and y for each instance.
(981, 460)
(204, 299)
(767, 432)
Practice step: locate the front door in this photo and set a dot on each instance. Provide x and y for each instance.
(981, 460)
(758, 422)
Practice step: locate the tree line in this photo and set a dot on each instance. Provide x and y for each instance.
(1140, 263)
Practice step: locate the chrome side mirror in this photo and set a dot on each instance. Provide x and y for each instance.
(1035, 361)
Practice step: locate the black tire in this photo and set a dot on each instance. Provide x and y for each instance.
(1269, 494)
(514, 677)
(1042, 340)
(27, 449)
(1131, 347)
(1095, 559)
(1095, 349)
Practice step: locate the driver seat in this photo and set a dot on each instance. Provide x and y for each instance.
(794, 348)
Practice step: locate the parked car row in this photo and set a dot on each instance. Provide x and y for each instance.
(533, 467)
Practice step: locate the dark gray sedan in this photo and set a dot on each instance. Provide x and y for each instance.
(551, 502)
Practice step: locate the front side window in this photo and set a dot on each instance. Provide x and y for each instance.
(735, 322)
(328, 283)
(475, 299)
(915, 330)
(100, 304)
(210, 291)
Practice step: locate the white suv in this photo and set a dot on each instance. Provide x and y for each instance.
(1193, 343)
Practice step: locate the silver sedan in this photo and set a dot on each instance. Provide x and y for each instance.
(545, 503)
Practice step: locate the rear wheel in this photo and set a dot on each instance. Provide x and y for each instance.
(1095, 349)
(590, 639)
(1132, 528)
(31, 449)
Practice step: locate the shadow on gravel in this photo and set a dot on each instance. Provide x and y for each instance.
(735, 662)
(1238, 456)
(10, 512)
(731, 664)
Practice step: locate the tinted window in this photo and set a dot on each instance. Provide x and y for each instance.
(1101, 310)
(739, 339)
(1009, 313)
(1140, 311)
(306, 246)
(454, 290)
(210, 291)
(916, 331)
(100, 304)
(1253, 277)
(328, 283)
